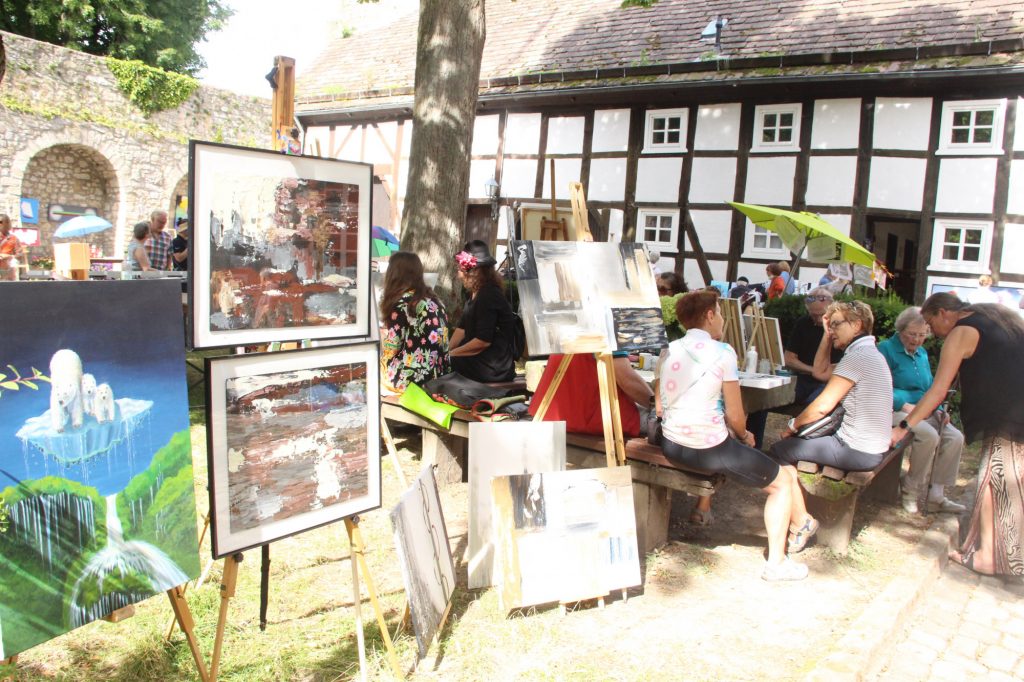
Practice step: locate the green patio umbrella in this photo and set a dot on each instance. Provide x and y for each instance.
(807, 235)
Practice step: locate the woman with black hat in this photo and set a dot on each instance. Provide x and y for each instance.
(481, 347)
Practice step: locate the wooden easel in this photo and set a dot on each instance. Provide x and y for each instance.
(759, 337)
(611, 418)
(553, 228)
(733, 334)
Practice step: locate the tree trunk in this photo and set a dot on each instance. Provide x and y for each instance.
(449, 49)
(3, 59)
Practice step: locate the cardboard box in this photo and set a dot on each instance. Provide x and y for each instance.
(71, 260)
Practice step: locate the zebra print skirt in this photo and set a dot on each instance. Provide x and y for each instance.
(1003, 473)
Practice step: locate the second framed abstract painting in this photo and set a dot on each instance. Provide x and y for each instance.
(293, 442)
(280, 247)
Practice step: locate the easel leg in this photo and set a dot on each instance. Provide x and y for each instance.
(357, 601)
(389, 444)
(614, 448)
(202, 576)
(264, 585)
(355, 539)
(556, 381)
(227, 591)
(183, 616)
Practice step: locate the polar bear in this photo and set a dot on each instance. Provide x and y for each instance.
(104, 404)
(88, 393)
(65, 389)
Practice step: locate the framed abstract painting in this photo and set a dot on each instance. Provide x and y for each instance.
(294, 442)
(280, 247)
(97, 506)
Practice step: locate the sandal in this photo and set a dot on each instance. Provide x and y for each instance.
(699, 517)
(965, 560)
(799, 536)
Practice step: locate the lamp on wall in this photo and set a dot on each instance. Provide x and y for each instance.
(493, 192)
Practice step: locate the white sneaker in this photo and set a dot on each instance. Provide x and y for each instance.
(910, 503)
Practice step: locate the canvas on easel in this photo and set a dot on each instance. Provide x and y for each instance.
(564, 536)
(764, 334)
(733, 334)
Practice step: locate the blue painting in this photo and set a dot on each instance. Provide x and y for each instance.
(97, 509)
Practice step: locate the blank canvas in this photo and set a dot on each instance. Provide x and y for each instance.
(501, 449)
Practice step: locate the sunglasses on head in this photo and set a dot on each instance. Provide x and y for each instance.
(819, 298)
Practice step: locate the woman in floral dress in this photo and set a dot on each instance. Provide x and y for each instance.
(414, 334)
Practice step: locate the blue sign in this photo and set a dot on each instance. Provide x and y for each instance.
(29, 211)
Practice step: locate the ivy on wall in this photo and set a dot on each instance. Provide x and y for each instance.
(149, 88)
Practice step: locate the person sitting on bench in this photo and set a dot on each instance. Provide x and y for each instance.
(861, 382)
(481, 348)
(704, 428)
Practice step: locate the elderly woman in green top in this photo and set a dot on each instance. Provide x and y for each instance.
(937, 445)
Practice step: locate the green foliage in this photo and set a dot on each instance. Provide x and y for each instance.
(787, 309)
(885, 308)
(149, 88)
(673, 329)
(17, 381)
(161, 34)
(637, 3)
(72, 110)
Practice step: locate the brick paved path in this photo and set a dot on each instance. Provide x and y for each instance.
(966, 627)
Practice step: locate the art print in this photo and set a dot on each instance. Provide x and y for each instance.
(97, 498)
(571, 292)
(280, 247)
(426, 556)
(564, 535)
(293, 442)
(639, 328)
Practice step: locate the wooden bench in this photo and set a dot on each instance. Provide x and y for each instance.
(654, 476)
(831, 494)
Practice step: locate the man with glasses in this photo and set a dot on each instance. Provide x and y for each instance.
(804, 347)
(935, 452)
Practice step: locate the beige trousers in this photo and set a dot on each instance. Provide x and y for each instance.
(934, 453)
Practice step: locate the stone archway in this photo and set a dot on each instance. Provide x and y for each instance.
(67, 176)
(179, 192)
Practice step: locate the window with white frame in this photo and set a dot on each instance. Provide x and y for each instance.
(961, 246)
(658, 229)
(972, 127)
(763, 243)
(777, 128)
(665, 130)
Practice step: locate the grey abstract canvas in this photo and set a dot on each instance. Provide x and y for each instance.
(501, 449)
(426, 556)
(565, 535)
(569, 293)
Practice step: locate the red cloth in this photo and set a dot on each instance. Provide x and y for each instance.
(777, 287)
(578, 400)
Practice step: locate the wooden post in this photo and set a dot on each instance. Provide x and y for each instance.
(283, 102)
(356, 548)
(227, 591)
(264, 585)
(183, 616)
(579, 212)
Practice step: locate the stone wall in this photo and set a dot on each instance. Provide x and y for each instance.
(69, 135)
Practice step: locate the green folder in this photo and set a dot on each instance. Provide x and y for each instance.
(415, 399)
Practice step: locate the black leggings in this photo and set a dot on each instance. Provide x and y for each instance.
(827, 451)
(733, 459)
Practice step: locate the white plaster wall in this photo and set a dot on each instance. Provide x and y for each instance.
(718, 126)
(902, 123)
(607, 180)
(518, 178)
(566, 171)
(966, 186)
(712, 180)
(522, 134)
(485, 135)
(615, 225)
(565, 135)
(658, 179)
(1013, 247)
(713, 230)
(896, 183)
(693, 278)
(1018, 131)
(1015, 200)
(666, 263)
(770, 180)
(752, 271)
(379, 144)
(831, 180)
(811, 275)
(611, 130)
(479, 173)
(840, 221)
(350, 150)
(836, 124)
(406, 139)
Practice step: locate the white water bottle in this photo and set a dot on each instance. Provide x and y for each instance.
(751, 364)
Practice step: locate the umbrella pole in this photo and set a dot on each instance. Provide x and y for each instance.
(796, 263)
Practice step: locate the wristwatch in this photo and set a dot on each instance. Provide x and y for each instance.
(904, 424)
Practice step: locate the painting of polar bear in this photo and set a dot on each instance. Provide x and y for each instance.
(66, 390)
